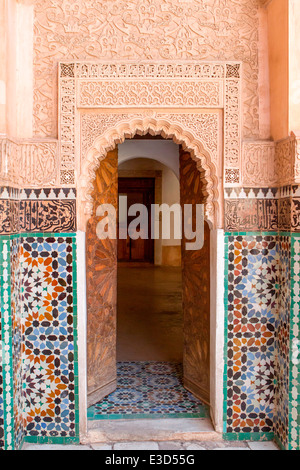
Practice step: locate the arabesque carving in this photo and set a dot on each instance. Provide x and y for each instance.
(204, 126)
(259, 164)
(271, 163)
(109, 139)
(173, 31)
(144, 85)
(132, 93)
(30, 165)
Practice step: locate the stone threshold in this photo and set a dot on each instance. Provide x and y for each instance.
(179, 429)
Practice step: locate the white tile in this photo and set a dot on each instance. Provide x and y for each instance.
(232, 448)
(101, 446)
(54, 447)
(263, 445)
(194, 447)
(136, 446)
(170, 445)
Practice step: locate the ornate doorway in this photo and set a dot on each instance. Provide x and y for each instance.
(101, 258)
(101, 142)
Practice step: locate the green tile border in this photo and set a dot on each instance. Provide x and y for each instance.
(51, 440)
(249, 436)
(6, 339)
(294, 368)
(279, 443)
(93, 417)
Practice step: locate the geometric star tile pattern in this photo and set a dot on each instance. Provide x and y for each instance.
(250, 301)
(38, 337)
(149, 390)
(50, 355)
(39, 360)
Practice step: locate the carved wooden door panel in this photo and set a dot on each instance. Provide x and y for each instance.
(196, 290)
(101, 260)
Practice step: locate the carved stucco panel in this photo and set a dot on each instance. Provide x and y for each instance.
(204, 126)
(168, 30)
(30, 165)
(142, 125)
(154, 93)
(259, 164)
(271, 163)
(285, 160)
(155, 85)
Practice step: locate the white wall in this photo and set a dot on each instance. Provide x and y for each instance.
(164, 151)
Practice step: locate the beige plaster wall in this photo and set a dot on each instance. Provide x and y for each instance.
(263, 76)
(11, 67)
(19, 68)
(278, 22)
(2, 69)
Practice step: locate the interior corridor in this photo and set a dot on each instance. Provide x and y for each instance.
(149, 320)
(149, 348)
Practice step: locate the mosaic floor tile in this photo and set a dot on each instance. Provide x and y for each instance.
(148, 390)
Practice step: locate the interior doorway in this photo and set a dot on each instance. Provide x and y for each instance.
(143, 355)
(137, 191)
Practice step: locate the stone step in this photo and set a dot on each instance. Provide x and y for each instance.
(179, 429)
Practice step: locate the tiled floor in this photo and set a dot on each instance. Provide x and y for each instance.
(149, 390)
(149, 314)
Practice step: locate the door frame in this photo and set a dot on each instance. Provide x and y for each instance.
(217, 319)
(149, 243)
(157, 175)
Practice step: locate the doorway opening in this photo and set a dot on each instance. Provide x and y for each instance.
(137, 191)
(155, 353)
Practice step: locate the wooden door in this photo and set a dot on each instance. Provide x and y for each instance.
(138, 191)
(195, 290)
(101, 260)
